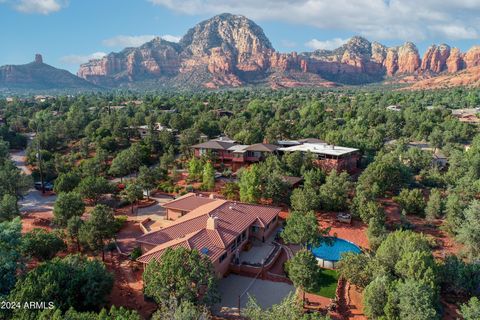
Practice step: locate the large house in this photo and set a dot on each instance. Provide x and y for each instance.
(229, 153)
(216, 228)
(327, 156)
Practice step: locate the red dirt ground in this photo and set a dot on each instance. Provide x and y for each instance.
(33, 220)
(355, 303)
(128, 285)
(354, 232)
(445, 243)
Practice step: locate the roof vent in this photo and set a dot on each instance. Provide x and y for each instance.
(211, 196)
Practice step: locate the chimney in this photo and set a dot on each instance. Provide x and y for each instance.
(212, 223)
(38, 58)
(211, 196)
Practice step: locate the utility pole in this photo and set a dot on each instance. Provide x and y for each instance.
(39, 162)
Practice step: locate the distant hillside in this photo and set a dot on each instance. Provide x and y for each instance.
(232, 51)
(40, 76)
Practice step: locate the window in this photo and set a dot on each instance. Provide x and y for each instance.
(254, 229)
(222, 257)
(244, 234)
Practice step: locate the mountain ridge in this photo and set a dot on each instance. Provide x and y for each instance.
(38, 75)
(231, 50)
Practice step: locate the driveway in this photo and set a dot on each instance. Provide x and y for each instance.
(34, 200)
(19, 158)
(266, 293)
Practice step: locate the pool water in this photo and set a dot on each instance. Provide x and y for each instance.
(333, 250)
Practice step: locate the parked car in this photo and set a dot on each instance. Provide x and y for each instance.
(47, 185)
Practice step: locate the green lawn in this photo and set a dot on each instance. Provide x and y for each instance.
(326, 283)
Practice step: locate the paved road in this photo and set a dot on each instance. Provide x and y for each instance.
(34, 200)
(19, 158)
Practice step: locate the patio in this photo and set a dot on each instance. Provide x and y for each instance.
(259, 251)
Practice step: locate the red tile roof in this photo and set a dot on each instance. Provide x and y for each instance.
(188, 202)
(190, 231)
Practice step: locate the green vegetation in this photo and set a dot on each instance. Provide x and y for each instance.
(183, 274)
(325, 284)
(288, 309)
(81, 143)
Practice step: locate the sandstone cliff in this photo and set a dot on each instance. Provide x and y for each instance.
(231, 50)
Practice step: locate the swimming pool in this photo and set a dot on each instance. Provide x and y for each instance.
(328, 253)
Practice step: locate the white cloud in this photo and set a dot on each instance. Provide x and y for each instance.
(123, 41)
(325, 44)
(453, 31)
(377, 19)
(79, 59)
(39, 6)
(171, 38)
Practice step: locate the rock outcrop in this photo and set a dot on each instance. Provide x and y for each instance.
(40, 76)
(455, 61)
(435, 58)
(472, 57)
(231, 50)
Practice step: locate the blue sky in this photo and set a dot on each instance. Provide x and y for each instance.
(68, 32)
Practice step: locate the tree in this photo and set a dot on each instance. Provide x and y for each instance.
(459, 277)
(304, 200)
(72, 282)
(356, 268)
(10, 258)
(419, 266)
(303, 270)
(147, 179)
(41, 244)
(288, 309)
(132, 193)
(302, 228)
(471, 310)
(74, 224)
(66, 182)
(195, 169)
(13, 181)
(411, 201)
(113, 314)
(396, 245)
(386, 173)
(375, 297)
(416, 301)
(454, 208)
(376, 232)
(434, 207)
(249, 184)
(313, 178)
(129, 160)
(208, 176)
(98, 229)
(183, 274)
(185, 310)
(231, 191)
(66, 206)
(469, 231)
(94, 188)
(334, 192)
(8, 207)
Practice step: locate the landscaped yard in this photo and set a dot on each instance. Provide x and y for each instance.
(326, 284)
